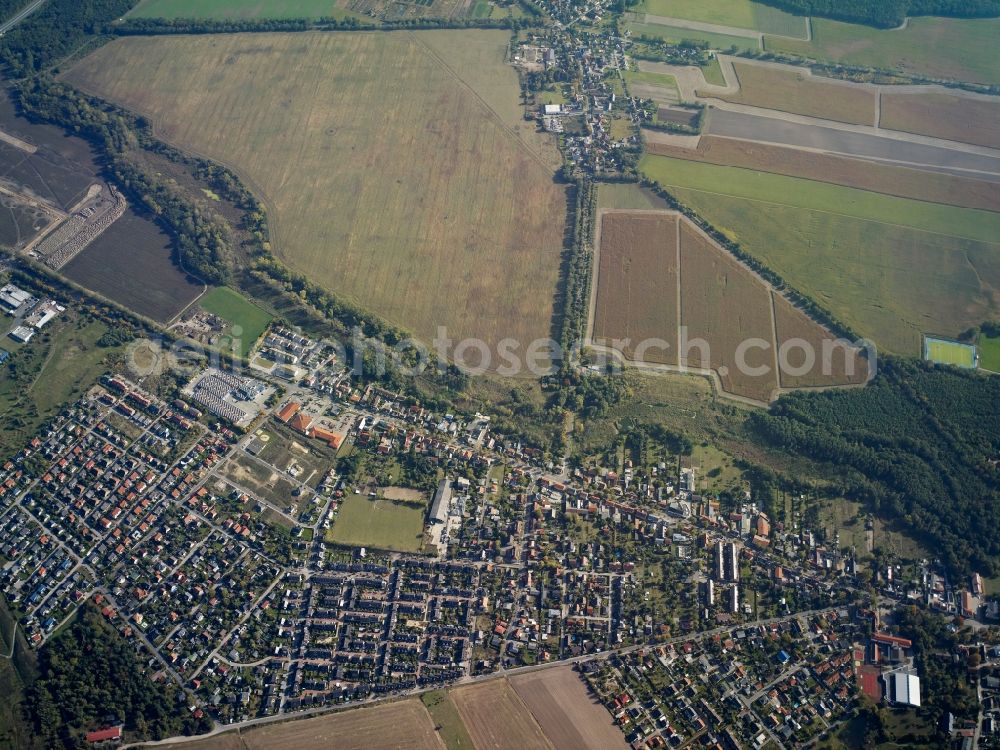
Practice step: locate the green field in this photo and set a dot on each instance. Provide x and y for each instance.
(364, 521)
(397, 169)
(742, 14)
(678, 34)
(960, 49)
(945, 352)
(231, 306)
(57, 366)
(239, 9)
(713, 73)
(989, 352)
(663, 85)
(890, 268)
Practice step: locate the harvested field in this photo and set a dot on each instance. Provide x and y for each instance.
(396, 168)
(497, 718)
(887, 281)
(962, 49)
(677, 115)
(570, 717)
(955, 118)
(660, 87)
(404, 725)
(636, 300)
(796, 91)
(132, 264)
(903, 182)
(862, 145)
(793, 325)
(724, 305)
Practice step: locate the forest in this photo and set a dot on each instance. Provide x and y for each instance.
(90, 678)
(887, 14)
(56, 29)
(914, 446)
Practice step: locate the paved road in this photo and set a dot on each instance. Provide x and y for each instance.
(20, 17)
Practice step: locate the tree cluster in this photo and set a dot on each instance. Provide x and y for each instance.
(887, 14)
(55, 30)
(89, 677)
(916, 445)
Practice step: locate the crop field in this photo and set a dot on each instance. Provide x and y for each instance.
(834, 365)
(959, 49)
(637, 284)
(398, 171)
(742, 14)
(131, 263)
(724, 305)
(237, 9)
(248, 321)
(497, 718)
(679, 34)
(660, 87)
(646, 289)
(789, 90)
(568, 715)
(989, 352)
(947, 352)
(955, 118)
(403, 725)
(888, 281)
(378, 522)
(903, 182)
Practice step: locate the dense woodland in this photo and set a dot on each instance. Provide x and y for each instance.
(56, 29)
(918, 444)
(887, 14)
(89, 678)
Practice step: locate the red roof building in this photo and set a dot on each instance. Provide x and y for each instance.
(111, 734)
(288, 411)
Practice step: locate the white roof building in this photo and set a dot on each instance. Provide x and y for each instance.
(22, 334)
(906, 689)
(553, 109)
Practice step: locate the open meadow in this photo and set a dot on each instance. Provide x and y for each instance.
(676, 34)
(379, 522)
(790, 90)
(957, 48)
(891, 268)
(237, 9)
(397, 169)
(989, 353)
(742, 14)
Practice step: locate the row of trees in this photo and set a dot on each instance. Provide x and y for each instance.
(914, 446)
(887, 14)
(55, 30)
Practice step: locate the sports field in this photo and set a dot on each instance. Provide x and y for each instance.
(989, 353)
(364, 521)
(742, 14)
(790, 90)
(397, 168)
(946, 352)
(231, 306)
(889, 267)
(959, 49)
(238, 9)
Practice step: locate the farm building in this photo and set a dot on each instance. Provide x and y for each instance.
(13, 298)
(22, 334)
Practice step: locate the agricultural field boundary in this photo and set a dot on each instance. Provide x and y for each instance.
(709, 373)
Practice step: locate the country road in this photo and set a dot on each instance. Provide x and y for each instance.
(24, 13)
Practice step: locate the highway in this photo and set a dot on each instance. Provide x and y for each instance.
(24, 13)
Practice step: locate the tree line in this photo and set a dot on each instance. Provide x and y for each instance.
(154, 26)
(887, 14)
